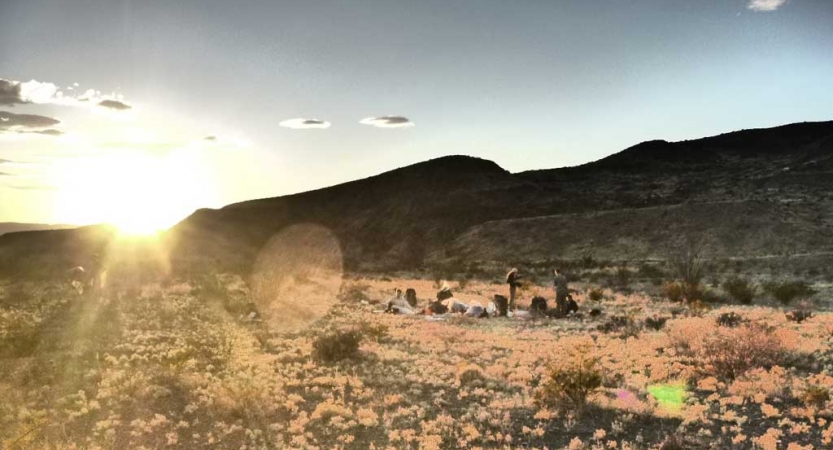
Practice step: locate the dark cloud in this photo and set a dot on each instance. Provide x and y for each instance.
(300, 123)
(114, 104)
(4, 174)
(10, 92)
(210, 138)
(387, 122)
(26, 122)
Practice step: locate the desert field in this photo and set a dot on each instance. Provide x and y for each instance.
(186, 365)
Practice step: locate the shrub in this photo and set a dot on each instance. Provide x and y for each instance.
(623, 276)
(354, 293)
(337, 345)
(788, 291)
(375, 331)
(567, 385)
(470, 374)
(816, 396)
(730, 319)
(672, 442)
(740, 289)
(655, 323)
(673, 291)
(698, 308)
(731, 352)
(650, 272)
(799, 315)
(628, 326)
(595, 294)
(688, 262)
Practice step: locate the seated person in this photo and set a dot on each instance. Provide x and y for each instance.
(399, 305)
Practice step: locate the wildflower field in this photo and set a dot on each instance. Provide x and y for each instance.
(186, 365)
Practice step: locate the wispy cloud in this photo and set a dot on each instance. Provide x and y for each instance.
(305, 124)
(765, 5)
(387, 122)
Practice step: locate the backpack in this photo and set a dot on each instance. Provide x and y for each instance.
(502, 305)
(437, 307)
(539, 304)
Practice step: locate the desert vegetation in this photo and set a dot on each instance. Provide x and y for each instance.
(189, 364)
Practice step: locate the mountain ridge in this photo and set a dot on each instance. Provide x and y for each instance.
(457, 209)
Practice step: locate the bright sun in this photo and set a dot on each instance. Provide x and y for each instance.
(140, 193)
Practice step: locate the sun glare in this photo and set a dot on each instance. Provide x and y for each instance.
(137, 192)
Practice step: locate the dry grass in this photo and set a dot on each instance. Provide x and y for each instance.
(165, 368)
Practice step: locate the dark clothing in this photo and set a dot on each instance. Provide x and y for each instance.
(513, 279)
(502, 305)
(560, 283)
(561, 293)
(411, 297)
(539, 305)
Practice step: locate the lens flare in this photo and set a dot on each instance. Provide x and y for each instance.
(297, 276)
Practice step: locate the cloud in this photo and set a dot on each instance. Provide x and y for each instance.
(10, 92)
(387, 122)
(765, 5)
(10, 122)
(304, 124)
(210, 138)
(16, 92)
(114, 104)
(35, 92)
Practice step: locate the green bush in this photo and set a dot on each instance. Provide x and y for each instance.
(740, 289)
(567, 384)
(337, 345)
(788, 291)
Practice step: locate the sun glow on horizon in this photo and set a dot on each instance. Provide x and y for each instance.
(137, 192)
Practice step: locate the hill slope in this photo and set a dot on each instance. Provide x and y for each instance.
(754, 192)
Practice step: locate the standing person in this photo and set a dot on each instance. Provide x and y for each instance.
(513, 280)
(561, 291)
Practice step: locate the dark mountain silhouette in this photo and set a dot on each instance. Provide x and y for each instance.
(752, 193)
(11, 227)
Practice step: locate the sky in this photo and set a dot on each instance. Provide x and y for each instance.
(138, 112)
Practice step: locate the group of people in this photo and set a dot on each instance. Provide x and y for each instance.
(500, 306)
(564, 302)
